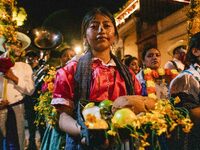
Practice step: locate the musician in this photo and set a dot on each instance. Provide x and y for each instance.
(19, 83)
(39, 71)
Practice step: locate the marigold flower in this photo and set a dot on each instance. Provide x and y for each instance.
(168, 72)
(147, 71)
(148, 77)
(152, 95)
(161, 71)
(111, 132)
(150, 83)
(177, 100)
(155, 74)
(151, 90)
(50, 87)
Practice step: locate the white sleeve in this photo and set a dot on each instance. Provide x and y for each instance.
(25, 80)
(169, 65)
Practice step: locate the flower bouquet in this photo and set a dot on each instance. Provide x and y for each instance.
(146, 128)
(46, 113)
(96, 125)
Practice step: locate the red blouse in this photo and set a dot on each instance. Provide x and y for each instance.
(106, 83)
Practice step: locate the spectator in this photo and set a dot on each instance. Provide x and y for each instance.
(65, 56)
(151, 58)
(178, 55)
(32, 58)
(187, 87)
(132, 63)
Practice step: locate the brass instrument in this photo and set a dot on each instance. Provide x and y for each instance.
(47, 38)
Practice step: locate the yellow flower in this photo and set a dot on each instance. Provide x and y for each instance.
(147, 71)
(161, 71)
(172, 127)
(150, 83)
(174, 71)
(144, 143)
(177, 100)
(111, 132)
(141, 148)
(152, 95)
(50, 86)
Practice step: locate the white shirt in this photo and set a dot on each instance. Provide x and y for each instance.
(170, 65)
(25, 84)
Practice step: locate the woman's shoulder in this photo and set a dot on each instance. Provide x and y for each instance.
(69, 68)
(183, 82)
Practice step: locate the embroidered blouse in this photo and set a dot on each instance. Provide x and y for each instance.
(106, 83)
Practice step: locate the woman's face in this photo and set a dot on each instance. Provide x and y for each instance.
(196, 53)
(17, 49)
(152, 59)
(100, 33)
(134, 66)
(68, 56)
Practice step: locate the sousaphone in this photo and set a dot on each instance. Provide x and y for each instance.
(46, 38)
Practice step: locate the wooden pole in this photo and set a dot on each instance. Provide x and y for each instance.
(4, 93)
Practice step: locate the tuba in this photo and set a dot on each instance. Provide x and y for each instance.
(46, 39)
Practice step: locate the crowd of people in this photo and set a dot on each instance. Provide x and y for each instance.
(95, 76)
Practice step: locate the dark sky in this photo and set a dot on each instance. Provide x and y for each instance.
(64, 15)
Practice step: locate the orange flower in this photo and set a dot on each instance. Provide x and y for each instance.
(155, 74)
(148, 77)
(167, 72)
(151, 90)
(50, 86)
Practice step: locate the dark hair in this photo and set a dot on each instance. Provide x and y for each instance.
(177, 49)
(147, 47)
(194, 43)
(32, 53)
(126, 56)
(64, 51)
(128, 60)
(91, 14)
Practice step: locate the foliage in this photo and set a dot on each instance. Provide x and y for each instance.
(11, 17)
(193, 15)
(46, 113)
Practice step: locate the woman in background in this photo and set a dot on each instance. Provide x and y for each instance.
(132, 63)
(187, 87)
(151, 58)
